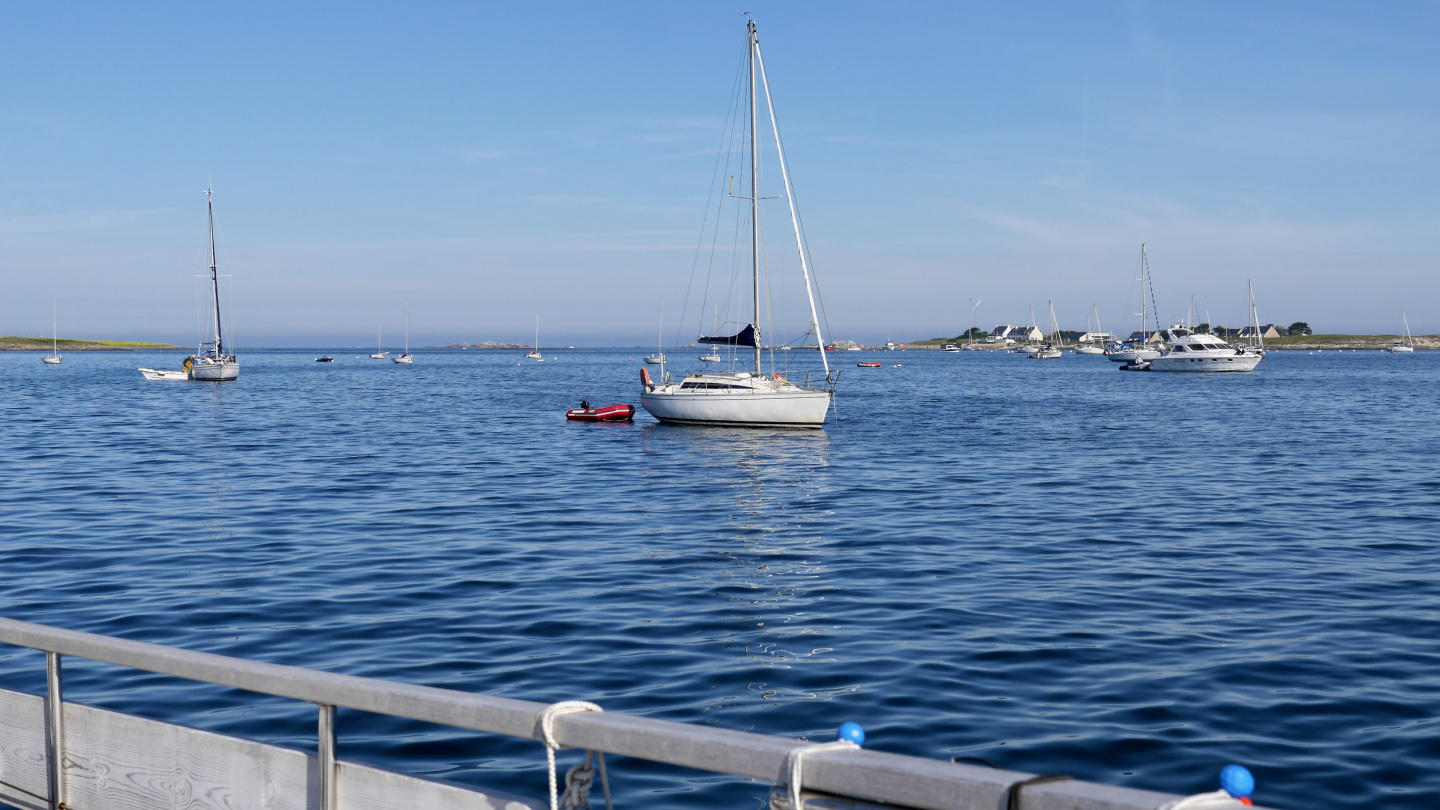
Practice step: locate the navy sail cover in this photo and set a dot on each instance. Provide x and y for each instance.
(749, 336)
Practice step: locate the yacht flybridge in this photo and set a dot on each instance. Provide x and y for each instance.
(213, 361)
(1197, 351)
(751, 398)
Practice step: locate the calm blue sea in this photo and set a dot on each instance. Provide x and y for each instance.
(1053, 566)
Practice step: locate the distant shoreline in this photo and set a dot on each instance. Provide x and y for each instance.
(24, 344)
(1299, 343)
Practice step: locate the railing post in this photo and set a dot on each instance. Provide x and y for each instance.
(327, 757)
(55, 730)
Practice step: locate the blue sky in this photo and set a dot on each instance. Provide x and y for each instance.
(491, 163)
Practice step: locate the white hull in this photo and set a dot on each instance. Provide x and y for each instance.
(1046, 354)
(782, 405)
(403, 360)
(1089, 350)
(162, 374)
(209, 371)
(1131, 355)
(52, 360)
(379, 355)
(711, 358)
(1394, 349)
(1206, 363)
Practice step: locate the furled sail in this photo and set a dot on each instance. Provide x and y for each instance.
(749, 336)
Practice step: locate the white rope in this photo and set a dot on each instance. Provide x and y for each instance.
(579, 778)
(1217, 800)
(794, 763)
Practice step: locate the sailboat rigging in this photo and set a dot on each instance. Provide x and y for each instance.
(750, 398)
(213, 361)
(536, 355)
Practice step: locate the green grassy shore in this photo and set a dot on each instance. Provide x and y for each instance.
(13, 343)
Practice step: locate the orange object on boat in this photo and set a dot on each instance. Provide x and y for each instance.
(609, 413)
(869, 365)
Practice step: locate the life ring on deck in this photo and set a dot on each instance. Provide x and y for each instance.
(645, 378)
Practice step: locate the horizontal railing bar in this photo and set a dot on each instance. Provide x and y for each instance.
(892, 778)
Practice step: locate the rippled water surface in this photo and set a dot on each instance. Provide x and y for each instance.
(1129, 578)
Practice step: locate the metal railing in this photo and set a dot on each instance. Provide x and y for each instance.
(866, 775)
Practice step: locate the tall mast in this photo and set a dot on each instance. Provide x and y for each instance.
(755, 196)
(794, 217)
(1144, 329)
(214, 276)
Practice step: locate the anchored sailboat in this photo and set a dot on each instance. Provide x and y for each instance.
(1137, 349)
(405, 359)
(536, 355)
(658, 358)
(749, 398)
(380, 352)
(1093, 346)
(54, 358)
(1406, 343)
(213, 362)
(1052, 350)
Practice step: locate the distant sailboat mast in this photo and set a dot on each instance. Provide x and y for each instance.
(215, 278)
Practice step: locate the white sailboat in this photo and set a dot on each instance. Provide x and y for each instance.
(54, 358)
(405, 359)
(750, 398)
(1406, 343)
(713, 356)
(1053, 348)
(1130, 351)
(536, 355)
(380, 352)
(1092, 347)
(1256, 342)
(658, 358)
(213, 362)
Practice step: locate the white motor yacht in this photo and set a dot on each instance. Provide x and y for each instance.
(1197, 351)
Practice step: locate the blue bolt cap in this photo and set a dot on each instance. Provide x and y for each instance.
(854, 733)
(1237, 781)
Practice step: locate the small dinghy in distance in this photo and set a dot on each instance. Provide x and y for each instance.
(164, 374)
(869, 365)
(609, 413)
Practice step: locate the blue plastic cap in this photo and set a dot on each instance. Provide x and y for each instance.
(854, 733)
(1237, 781)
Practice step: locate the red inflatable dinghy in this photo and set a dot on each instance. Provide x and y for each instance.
(610, 413)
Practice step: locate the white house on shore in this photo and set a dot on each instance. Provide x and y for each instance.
(1095, 337)
(1024, 334)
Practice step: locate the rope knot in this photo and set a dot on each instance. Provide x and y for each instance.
(580, 778)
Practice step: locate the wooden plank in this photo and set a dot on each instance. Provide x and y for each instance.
(116, 761)
(23, 780)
